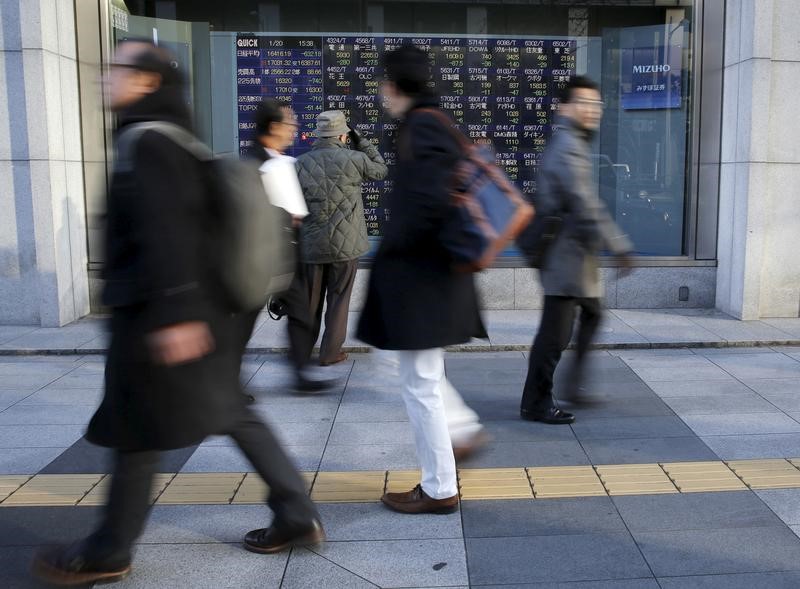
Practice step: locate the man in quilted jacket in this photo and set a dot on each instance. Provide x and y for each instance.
(334, 235)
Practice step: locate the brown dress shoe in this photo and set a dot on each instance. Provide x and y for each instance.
(416, 501)
(69, 566)
(473, 445)
(341, 357)
(272, 540)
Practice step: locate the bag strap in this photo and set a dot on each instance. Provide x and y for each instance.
(465, 144)
(130, 135)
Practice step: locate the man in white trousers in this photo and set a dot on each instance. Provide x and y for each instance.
(416, 304)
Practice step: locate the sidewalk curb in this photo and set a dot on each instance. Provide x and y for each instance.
(463, 348)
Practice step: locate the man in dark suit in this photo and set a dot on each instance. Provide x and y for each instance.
(173, 360)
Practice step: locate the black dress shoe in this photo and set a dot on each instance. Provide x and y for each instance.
(271, 540)
(71, 565)
(554, 416)
(248, 398)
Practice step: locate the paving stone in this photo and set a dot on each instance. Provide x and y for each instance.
(518, 430)
(633, 407)
(694, 511)
(572, 481)
(720, 404)
(643, 450)
(754, 446)
(360, 412)
(510, 454)
(664, 368)
(587, 557)
(289, 434)
(788, 580)
(493, 519)
(494, 483)
(373, 521)
(643, 583)
(27, 382)
(608, 428)
(231, 459)
(12, 397)
(14, 368)
(172, 565)
(695, 388)
(494, 393)
(201, 524)
(784, 502)
(381, 393)
(301, 411)
(371, 433)
(39, 436)
(374, 457)
(753, 366)
(740, 424)
(15, 565)
(47, 415)
(733, 550)
(35, 526)
(307, 570)
(697, 477)
(401, 563)
(53, 396)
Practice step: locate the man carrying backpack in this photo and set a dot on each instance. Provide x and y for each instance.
(570, 270)
(172, 368)
(335, 231)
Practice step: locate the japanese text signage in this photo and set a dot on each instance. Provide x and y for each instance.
(499, 91)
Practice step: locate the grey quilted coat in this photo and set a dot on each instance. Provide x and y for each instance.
(565, 188)
(331, 176)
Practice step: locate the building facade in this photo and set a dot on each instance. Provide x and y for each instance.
(696, 158)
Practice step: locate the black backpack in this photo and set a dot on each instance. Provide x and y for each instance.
(254, 257)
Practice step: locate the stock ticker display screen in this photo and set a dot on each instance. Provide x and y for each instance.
(499, 91)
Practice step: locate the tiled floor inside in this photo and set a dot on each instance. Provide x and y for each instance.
(729, 409)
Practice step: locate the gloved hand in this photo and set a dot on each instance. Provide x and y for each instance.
(355, 137)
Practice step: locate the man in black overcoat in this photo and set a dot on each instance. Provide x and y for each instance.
(172, 372)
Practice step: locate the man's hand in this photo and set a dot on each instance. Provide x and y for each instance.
(625, 265)
(355, 137)
(180, 343)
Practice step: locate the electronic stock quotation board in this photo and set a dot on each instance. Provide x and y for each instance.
(499, 91)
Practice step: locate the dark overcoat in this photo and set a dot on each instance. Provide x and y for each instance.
(416, 301)
(156, 274)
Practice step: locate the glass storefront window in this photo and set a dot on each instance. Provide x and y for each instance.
(498, 68)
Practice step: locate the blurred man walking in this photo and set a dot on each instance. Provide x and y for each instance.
(172, 372)
(570, 273)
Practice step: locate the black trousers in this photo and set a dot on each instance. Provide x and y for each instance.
(553, 337)
(301, 323)
(332, 283)
(129, 501)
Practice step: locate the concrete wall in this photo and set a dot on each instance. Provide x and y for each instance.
(759, 267)
(644, 288)
(43, 263)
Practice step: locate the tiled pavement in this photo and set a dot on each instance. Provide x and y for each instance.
(660, 406)
(508, 331)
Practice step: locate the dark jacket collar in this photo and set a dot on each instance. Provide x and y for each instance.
(166, 104)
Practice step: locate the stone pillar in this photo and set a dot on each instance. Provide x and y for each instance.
(759, 225)
(43, 260)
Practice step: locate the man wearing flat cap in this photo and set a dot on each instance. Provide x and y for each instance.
(334, 234)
